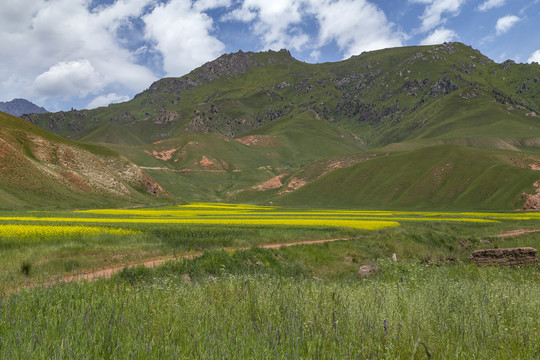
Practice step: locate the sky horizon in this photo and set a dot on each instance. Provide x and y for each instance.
(82, 54)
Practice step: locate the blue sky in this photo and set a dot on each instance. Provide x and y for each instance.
(65, 54)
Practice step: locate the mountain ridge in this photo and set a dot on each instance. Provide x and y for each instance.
(246, 126)
(364, 94)
(18, 107)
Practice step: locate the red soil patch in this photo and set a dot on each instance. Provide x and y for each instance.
(273, 183)
(162, 155)
(295, 183)
(206, 162)
(258, 140)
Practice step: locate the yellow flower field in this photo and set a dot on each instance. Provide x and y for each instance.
(234, 214)
(41, 232)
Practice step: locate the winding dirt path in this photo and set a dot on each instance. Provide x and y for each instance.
(514, 233)
(108, 272)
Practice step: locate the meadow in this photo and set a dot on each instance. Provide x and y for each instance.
(222, 296)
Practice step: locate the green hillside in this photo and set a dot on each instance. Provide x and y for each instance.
(438, 177)
(41, 170)
(213, 167)
(367, 94)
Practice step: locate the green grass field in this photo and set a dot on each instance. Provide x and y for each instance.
(235, 300)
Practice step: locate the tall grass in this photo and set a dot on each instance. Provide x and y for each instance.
(456, 311)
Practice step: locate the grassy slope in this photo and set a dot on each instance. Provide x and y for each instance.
(215, 167)
(438, 177)
(40, 170)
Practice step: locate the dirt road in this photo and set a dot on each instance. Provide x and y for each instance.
(108, 272)
(514, 233)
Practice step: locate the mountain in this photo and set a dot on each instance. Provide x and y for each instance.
(383, 97)
(18, 107)
(41, 170)
(265, 127)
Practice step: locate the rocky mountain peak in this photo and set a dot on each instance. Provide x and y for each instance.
(18, 107)
(226, 65)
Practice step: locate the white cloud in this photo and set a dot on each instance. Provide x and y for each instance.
(203, 5)
(355, 26)
(490, 4)
(435, 11)
(506, 23)
(43, 42)
(182, 35)
(68, 78)
(273, 21)
(104, 100)
(315, 55)
(439, 36)
(535, 57)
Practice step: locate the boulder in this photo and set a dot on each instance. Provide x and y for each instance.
(508, 256)
(366, 270)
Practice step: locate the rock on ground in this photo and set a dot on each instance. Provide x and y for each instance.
(508, 256)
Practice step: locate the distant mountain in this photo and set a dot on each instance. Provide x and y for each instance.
(41, 170)
(257, 127)
(18, 107)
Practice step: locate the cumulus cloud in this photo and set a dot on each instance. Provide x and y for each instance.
(272, 22)
(506, 23)
(354, 25)
(435, 11)
(535, 57)
(490, 4)
(203, 5)
(104, 100)
(439, 36)
(182, 35)
(62, 49)
(67, 78)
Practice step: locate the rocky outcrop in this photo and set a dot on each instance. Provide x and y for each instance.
(506, 257)
(226, 65)
(281, 86)
(532, 201)
(166, 117)
(442, 87)
(366, 271)
(507, 64)
(171, 85)
(414, 85)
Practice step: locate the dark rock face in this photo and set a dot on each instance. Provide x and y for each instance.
(172, 85)
(18, 107)
(166, 117)
(442, 87)
(227, 65)
(414, 85)
(506, 65)
(508, 257)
